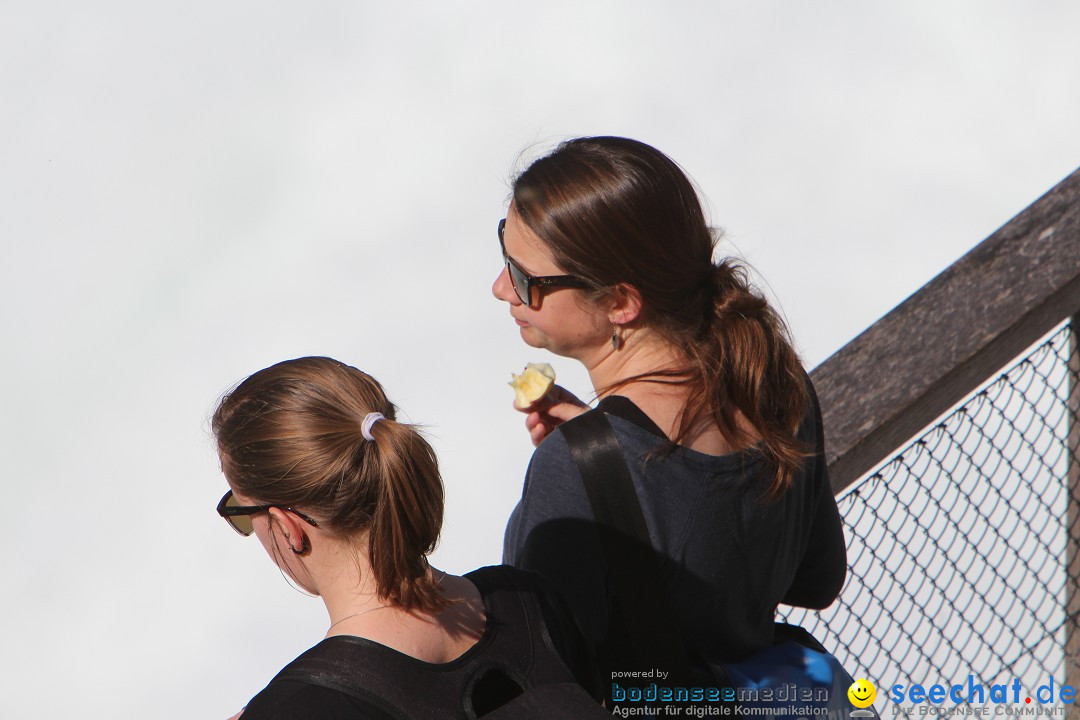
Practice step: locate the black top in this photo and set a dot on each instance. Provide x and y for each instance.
(526, 638)
(727, 556)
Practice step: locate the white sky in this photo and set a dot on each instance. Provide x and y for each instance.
(192, 191)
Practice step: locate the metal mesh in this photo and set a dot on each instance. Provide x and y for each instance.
(960, 546)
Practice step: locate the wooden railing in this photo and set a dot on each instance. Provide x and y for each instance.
(959, 329)
(946, 340)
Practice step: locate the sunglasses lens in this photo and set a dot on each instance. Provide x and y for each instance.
(241, 523)
(520, 281)
(518, 278)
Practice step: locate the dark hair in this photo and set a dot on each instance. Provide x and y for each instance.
(290, 436)
(613, 210)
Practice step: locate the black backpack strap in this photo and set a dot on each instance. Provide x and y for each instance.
(633, 566)
(316, 667)
(519, 675)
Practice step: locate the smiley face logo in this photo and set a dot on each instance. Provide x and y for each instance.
(862, 693)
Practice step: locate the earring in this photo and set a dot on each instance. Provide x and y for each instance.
(616, 341)
(305, 546)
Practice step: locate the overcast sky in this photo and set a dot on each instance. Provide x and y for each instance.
(192, 191)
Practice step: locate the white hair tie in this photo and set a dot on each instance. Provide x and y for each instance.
(369, 420)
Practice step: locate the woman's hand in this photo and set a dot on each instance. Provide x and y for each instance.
(547, 413)
(237, 715)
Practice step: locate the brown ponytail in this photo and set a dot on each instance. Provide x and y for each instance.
(405, 523)
(291, 436)
(613, 210)
(747, 363)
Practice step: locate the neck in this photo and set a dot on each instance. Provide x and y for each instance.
(342, 577)
(641, 351)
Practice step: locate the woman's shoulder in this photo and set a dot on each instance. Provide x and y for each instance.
(553, 482)
(630, 425)
(552, 476)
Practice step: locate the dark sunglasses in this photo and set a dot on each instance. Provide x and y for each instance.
(239, 516)
(523, 282)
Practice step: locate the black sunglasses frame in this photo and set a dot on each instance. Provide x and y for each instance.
(523, 282)
(230, 511)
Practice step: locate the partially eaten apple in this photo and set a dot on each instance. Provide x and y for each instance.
(532, 384)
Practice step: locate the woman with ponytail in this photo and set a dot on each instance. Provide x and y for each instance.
(609, 261)
(348, 503)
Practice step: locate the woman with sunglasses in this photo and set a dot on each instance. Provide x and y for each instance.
(609, 261)
(348, 503)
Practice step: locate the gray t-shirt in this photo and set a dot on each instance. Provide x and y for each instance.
(727, 558)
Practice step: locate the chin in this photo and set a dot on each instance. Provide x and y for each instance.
(530, 337)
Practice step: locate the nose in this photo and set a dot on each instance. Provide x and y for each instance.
(503, 290)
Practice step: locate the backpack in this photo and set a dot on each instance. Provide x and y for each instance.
(796, 664)
(513, 671)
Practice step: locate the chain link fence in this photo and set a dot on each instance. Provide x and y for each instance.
(963, 547)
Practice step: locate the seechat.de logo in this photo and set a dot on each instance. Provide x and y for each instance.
(861, 694)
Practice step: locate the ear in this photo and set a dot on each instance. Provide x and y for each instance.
(292, 528)
(624, 304)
